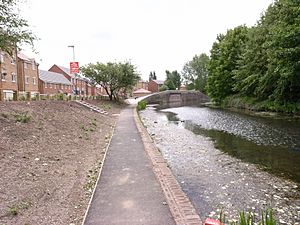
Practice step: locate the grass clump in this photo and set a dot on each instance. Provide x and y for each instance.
(22, 117)
(142, 105)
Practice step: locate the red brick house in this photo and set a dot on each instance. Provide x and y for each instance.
(19, 75)
(8, 76)
(27, 75)
(154, 85)
(53, 83)
(79, 83)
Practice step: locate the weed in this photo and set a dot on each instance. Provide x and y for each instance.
(22, 117)
(4, 115)
(142, 105)
(13, 210)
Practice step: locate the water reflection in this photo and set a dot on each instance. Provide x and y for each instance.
(272, 143)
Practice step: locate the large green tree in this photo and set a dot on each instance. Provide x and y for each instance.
(113, 77)
(13, 29)
(282, 79)
(173, 80)
(195, 72)
(225, 54)
(270, 63)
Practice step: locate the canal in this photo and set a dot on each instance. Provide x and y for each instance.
(230, 160)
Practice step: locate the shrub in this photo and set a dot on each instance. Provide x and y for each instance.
(142, 105)
(22, 117)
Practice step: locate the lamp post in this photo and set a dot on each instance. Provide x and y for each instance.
(73, 47)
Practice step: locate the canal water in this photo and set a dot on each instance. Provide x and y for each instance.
(231, 161)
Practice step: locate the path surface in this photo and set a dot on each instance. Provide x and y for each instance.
(128, 192)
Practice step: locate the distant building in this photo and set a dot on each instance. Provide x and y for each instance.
(141, 92)
(154, 85)
(53, 83)
(141, 84)
(79, 83)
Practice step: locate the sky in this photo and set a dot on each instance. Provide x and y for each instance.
(155, 35)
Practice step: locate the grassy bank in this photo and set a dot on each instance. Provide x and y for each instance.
(253, 104)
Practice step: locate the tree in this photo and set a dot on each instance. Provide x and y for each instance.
(152, 76)
(225, 54)
(13, 29)
(269, 65)
(113, 77)
(173, 80)
(195, 72)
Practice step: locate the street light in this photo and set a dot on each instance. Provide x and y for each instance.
(73, 47)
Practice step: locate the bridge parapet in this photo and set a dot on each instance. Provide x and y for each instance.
(177, 98)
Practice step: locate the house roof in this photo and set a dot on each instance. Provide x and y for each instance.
(67, 71)
(159, 81)
(24, 57)
(53, 78)
(141, 91)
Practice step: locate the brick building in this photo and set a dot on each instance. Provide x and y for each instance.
(19, 76)
(27, 75)
(8, 76)
(79, 83)
(53, 83)
(154, 85)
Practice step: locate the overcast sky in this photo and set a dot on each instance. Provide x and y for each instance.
(156, 35)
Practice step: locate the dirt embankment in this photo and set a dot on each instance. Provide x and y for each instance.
(50, 153)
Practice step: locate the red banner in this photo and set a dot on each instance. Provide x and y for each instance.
(74, 67)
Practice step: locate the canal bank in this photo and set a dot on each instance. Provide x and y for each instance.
(213, 179)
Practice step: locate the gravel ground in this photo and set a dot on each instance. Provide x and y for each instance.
(214, 180)
(49, 164)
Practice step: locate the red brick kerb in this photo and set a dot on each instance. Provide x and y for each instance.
(180, 206)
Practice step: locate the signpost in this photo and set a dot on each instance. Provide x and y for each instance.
(74, 67)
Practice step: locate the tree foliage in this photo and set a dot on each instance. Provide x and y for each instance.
(173, 80)
(13, 29)
(261, 62)
(113, 77)
(195, 72)
(152, 76)
(270, 64)
(225, 54)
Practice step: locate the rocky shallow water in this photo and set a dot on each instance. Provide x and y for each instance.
(214, 180)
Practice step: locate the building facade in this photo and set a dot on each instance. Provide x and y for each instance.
(154, 85)
(18, 76)
(53, 83)
(8, 76)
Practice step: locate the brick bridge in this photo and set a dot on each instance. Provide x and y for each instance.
(177, 98)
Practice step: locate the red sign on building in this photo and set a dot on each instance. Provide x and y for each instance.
(74, 67)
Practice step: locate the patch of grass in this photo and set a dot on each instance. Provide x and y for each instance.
(22, 117)
(13, 210)
(142, 105)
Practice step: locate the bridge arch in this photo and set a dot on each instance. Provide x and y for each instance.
(176, 98)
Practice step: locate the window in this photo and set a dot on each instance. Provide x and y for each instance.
(50, 85)
(25, 65)
(3, 75)
(46, 85)
(13, 77)
(27, 80)
(34, 81)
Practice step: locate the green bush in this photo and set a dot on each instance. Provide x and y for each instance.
(22, 117)
(142, 105)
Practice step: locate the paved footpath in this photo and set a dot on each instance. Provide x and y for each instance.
(128, 192)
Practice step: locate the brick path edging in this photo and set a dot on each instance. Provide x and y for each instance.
(180, 206)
